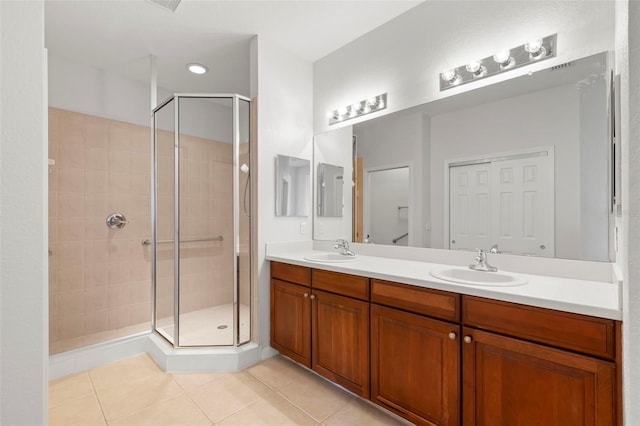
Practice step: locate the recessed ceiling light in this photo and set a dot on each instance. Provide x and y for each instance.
(197, 68)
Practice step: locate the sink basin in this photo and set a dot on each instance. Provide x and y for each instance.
(471, 277)
(331, 258)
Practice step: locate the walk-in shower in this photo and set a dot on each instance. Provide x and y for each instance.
(200, 239)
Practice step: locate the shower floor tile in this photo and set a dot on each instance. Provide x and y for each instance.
(136, 392)
(209, 326)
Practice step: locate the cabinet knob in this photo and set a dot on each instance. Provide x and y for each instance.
(306, 295)
(313, 296)
(452, 336)
(467, 339)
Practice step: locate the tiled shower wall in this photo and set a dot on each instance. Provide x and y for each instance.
(100, 279)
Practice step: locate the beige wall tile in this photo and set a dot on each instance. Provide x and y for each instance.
(69, 278)
(119, 317)
(118, 136)
(71, 180)
(70, 229)
(70, 326)
(96, 321)
(119, 273)
(96, 299)
(96, 157)
(70, 204)
(70, 128)
(96, 182)
(96, 274)
(70, 156)
(71, 302)
(96, 132)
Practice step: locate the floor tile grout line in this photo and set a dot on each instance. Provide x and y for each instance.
(309, 414)
(95, 393)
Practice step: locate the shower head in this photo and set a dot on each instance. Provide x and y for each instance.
(244, 168)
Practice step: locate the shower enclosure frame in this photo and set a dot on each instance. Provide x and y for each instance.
(235, 98)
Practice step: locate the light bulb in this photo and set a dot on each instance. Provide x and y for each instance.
(356, 107)
(502, 56)
(474, 67)
(533, 46)
(372, 101)
(343, 111)
(449, 76)
(381, 104)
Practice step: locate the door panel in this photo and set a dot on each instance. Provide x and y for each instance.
(341, 340)
(512, 382)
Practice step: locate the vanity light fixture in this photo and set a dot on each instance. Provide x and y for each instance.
(358, 109)
(503, 60)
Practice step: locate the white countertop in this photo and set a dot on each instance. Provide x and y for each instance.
(595, 298)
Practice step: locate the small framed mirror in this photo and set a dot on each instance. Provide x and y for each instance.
(292, 186)
(330, 190)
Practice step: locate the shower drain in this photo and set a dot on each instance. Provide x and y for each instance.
(222, 327)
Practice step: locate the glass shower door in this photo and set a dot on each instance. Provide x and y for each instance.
(163, 226)
(206, 295)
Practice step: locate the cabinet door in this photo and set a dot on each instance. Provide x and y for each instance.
(508, 381)
(341, 340)
(291, 321)
(415, 366)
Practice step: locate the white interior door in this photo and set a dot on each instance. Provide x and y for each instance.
(470, 206)
(388, 206)
(523, 202)
(508, 202)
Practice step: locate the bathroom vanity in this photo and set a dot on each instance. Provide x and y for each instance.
(438, 353)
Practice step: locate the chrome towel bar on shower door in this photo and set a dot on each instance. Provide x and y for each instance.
(147, 242)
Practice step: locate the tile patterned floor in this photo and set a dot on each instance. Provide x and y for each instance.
(136, 392)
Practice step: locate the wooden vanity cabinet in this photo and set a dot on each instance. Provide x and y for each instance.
(509, 381)
(340, 329)
(524, 365)
(415, 366)
(321, 320)
(415, 359)
(441, 358)
(291, 311)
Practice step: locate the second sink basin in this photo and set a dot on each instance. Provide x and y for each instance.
(471, 277)
(330, 257)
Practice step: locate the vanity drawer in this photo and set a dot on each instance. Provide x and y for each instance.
(292, 273)
(343, 284)
(434, 303)
(589, 335)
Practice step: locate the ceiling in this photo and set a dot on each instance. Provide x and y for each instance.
(119, 35)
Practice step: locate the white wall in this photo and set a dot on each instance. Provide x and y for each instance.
(405, 56)
(88, 90)
(283, 86)
(628, 256)
(544, 118)
(24, 313)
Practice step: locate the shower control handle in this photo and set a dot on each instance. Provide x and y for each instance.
(116, 221)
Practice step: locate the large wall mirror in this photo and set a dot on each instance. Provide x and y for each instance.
(523, 165)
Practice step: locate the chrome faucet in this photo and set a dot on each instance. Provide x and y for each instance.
(343, 246)
(481, 263)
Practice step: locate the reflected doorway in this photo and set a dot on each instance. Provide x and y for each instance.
(388, 205)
